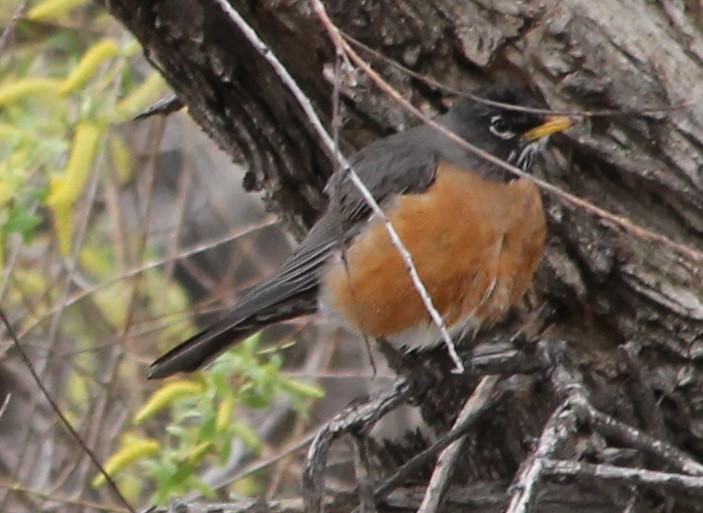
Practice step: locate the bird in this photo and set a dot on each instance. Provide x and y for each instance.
(475, 232)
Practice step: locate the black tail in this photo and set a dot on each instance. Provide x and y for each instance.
(191, 354)
(243, 320)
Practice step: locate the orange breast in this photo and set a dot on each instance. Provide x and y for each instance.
(475, 243)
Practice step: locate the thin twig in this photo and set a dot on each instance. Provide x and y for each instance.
(100, 410)
(63, 286)
(257, 466)
(9, 29)
(633, 437)
(631, 476)
(496, 357)
(5, 404)
(486, 394)
(517, 108)
(486, 497)
(59, 413)
(184, 187)
(332, 150)
(55, 498)
(568, 382)
(336, 204)
(130, 273)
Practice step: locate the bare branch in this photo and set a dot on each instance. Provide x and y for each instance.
(559, 469)
(356, 418)
(5, 404)
(364, 480)
(568, 382)
(560, 426)
(486, 394)
(9, 29)
(632, 437)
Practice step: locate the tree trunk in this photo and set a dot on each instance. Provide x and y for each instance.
(603, 284)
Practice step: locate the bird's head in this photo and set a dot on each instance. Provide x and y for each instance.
(511, 135)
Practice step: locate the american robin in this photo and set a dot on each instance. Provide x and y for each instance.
(475, 234)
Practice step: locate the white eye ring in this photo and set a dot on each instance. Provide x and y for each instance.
(499, 128)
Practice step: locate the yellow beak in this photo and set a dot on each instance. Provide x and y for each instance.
(552, 125)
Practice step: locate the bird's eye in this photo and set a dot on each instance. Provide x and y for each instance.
(499, 127)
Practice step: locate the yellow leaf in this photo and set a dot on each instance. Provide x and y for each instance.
(87, 66)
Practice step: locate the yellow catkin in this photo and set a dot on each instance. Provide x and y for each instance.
(88, 65)
(63, 226)
(121, 158)
(224, 414)
(65, 189)
(139, 97)
(135, 449)
(52, 9)
(13, 91)
(164, 396)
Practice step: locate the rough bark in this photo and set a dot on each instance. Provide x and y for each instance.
(604, 285)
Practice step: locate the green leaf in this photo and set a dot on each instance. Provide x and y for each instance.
(201, 486)
(22, 221)
(302, 388)
(256, 401)
(248, 436)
